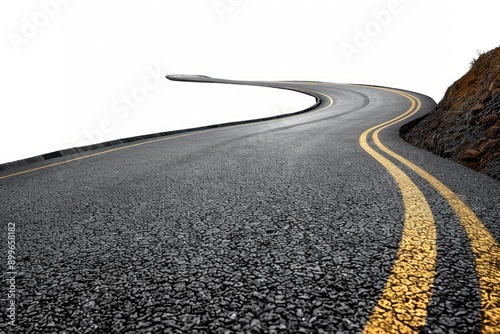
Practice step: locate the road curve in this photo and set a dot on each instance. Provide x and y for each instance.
(321, 222)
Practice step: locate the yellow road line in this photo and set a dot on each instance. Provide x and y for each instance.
(484, 246)
(148, 142)
(330, 101)
(402, 307)
(98, 153)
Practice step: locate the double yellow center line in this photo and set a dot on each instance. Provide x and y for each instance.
(402, 306)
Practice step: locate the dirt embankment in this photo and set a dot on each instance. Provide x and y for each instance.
(465, 126)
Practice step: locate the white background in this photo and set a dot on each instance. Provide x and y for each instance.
(64, 81)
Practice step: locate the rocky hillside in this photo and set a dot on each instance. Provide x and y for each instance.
(465, 126)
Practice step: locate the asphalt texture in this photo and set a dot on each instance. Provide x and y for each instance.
(282, 226)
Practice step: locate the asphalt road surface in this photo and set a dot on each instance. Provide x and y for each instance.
(323, 222)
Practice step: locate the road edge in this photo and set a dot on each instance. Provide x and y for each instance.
(10, 166)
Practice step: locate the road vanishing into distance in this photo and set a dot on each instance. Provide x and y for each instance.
(321, 222)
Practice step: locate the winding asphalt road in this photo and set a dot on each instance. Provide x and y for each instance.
(322, 222)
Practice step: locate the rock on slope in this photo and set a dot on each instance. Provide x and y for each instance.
(465, 126)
